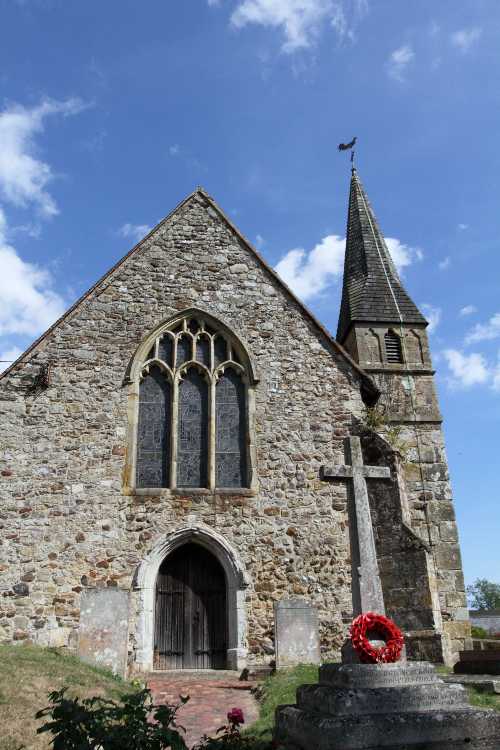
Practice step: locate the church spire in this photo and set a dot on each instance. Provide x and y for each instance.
(372, 290)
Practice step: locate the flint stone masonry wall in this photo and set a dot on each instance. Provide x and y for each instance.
(70, 518)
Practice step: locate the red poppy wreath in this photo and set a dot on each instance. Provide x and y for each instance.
(376, 627)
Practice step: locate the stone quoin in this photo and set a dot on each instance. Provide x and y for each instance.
(166, 438)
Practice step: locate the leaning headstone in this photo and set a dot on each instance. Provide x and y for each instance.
(103, 630)
(296, 633)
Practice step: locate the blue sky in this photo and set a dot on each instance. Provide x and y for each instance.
(111, 112)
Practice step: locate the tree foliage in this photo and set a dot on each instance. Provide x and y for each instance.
(484, 594)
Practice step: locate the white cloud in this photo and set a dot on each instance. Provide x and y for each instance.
(463, 227)
(465, 38)
(300, 21)
(259, 242)
(24, 177)
(444, 264)
(398, 62)
(308, 274)
(496, 376)
(485, 331)
(466, 369)
(174, 149)
(402, 255)
(433, 315)
(8, 356)
(468, 310)
(28, 302)
(134, 231)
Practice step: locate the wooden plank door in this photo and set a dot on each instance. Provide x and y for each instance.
(191, 612)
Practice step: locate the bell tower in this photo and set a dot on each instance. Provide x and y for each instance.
(385, 332)
(379, 324)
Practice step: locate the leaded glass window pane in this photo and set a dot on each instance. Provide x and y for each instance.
(220, 350)
(192, 450)
(184, 349)
(193, 326)
(153, 431)
(166, 348)
(230, 425)
(203, 350)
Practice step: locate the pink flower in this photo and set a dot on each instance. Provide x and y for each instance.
(235, 716)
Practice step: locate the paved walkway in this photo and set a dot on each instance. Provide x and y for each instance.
(211, 697)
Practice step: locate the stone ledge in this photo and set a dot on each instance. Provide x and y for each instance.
(333, 701)
(378, 675)
(430, 730)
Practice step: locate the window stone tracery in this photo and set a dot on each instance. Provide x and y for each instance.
(193, 424)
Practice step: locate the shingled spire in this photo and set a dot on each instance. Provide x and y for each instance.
(372, 290)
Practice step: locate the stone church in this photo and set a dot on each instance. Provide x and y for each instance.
(162, 449)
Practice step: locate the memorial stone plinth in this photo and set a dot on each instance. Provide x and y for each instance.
(384, 706)
(401, 706)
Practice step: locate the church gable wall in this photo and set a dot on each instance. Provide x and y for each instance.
(69, 518)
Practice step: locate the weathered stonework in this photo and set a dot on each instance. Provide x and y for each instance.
(71, 518)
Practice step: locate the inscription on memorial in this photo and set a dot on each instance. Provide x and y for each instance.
(375, 676)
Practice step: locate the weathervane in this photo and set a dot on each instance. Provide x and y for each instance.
(349, 147)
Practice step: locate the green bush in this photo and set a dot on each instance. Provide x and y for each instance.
(133, 723)
(479, 632)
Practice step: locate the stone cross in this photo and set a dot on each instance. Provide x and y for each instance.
(366, 586)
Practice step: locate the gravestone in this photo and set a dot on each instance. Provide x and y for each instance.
(401, 706)
(296, 633)
(103, 629)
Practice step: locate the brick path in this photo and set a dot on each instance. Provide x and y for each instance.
(210, 700)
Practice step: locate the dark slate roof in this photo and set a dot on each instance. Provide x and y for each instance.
(372, 290)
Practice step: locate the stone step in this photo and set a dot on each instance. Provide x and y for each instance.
(333, 701)
(484, 682)
(469, 728)
(378, 675)
(478, 662)
(193, 675)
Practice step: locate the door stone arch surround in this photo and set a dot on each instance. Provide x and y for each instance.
(236, 583)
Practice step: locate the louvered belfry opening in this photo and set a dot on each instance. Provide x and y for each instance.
(393, 349)
(191, 611)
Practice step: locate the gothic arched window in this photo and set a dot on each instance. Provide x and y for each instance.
(192, 426)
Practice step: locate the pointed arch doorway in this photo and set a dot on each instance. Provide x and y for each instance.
(191, 622)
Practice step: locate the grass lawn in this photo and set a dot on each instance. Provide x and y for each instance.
(483, 700)
(278, 689)
(27, 675)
